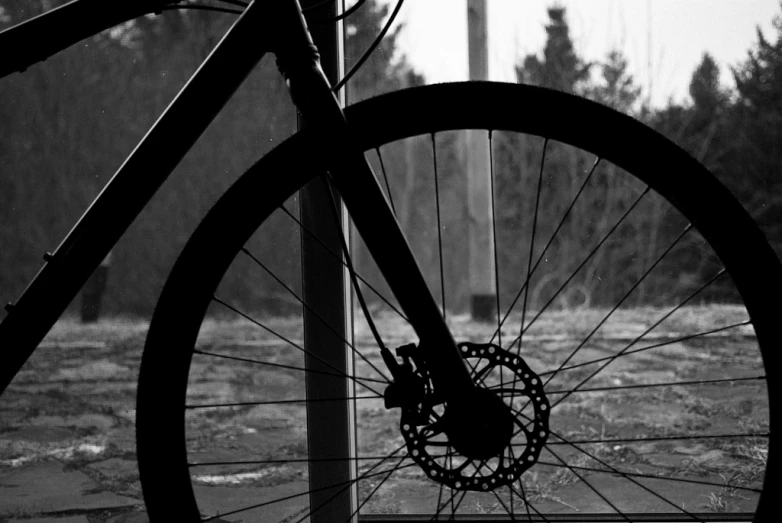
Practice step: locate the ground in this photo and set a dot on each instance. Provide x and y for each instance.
(67, 449)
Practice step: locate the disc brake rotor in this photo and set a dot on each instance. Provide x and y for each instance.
(509, 377)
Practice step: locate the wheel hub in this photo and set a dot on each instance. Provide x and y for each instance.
(482, 430)
(491, 443)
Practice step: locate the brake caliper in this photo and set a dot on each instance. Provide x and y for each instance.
(411, 389)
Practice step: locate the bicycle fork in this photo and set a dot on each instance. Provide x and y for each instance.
(298, 61)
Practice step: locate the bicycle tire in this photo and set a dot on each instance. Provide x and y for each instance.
(658, 163)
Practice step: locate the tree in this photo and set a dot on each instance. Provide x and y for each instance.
(385, 70)
(708, 97)
(737, 136)
(560, 67)
(67, 124)
(756, 133)
(617, 87)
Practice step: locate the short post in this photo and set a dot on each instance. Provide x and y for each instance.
(93, 290)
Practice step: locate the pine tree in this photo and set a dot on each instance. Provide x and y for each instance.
(385, 70)
(756, 133)
(560, 67)
(617, 88)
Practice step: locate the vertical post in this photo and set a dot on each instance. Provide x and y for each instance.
(479, 229)
(330, 424)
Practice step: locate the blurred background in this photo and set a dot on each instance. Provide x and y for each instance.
(706, 74)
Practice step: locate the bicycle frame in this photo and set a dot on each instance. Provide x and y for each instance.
(275, 26)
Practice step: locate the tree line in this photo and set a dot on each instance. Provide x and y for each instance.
(68, 123)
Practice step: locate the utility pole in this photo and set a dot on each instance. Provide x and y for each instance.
(479, 198)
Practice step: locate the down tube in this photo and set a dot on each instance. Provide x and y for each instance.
(126, 194)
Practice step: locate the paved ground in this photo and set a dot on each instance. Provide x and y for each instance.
(67, 448)
(67, 451)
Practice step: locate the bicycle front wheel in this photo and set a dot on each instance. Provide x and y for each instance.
(600, 282)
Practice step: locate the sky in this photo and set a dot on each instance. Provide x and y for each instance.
(663, 40)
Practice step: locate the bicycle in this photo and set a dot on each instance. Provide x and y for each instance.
(475, 416)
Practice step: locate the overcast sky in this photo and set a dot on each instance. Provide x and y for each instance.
(664, 37)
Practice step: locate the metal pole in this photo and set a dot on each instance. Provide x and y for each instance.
(330, 425)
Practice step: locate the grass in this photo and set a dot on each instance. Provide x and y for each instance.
(723, 500)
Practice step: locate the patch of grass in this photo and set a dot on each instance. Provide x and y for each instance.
(716, 503)
(723, 500)
(538, 490)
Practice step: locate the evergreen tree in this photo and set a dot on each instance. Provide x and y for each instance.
(755, 131)
(385, 70)
(68, 122)
(708, 97)
(560, 67)
(617, 88)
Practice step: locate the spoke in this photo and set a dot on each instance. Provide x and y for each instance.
(344, 263)
(619, 303)
(661, 438)
(647, 385)
(290, 460)
(523, 494)
(479, 376)
(623, 474)
(346, 253)
(524, 500)
(440, 493)
(531, 246)
(627, 476)
(548, 244)
(314, 312)
(472, 367)
(527, 505)
(646, 476)
(275, 402)
(299, 347)
(439, 226)
(590, 486)
(454, 509)
(494, 237)
(440, 508)
(385, 177)
(397, 467)
(639, 337)
(292, 343)
(656, 345)
(346, 485)
(507, 510)
(583, 263)
(291, 367)
(450, 464)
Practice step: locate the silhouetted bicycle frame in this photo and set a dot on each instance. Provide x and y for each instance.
(276, 27)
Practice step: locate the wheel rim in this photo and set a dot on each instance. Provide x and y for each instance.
(589, 457)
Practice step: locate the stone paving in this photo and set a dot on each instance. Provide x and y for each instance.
(67, 450)
(67, 446)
